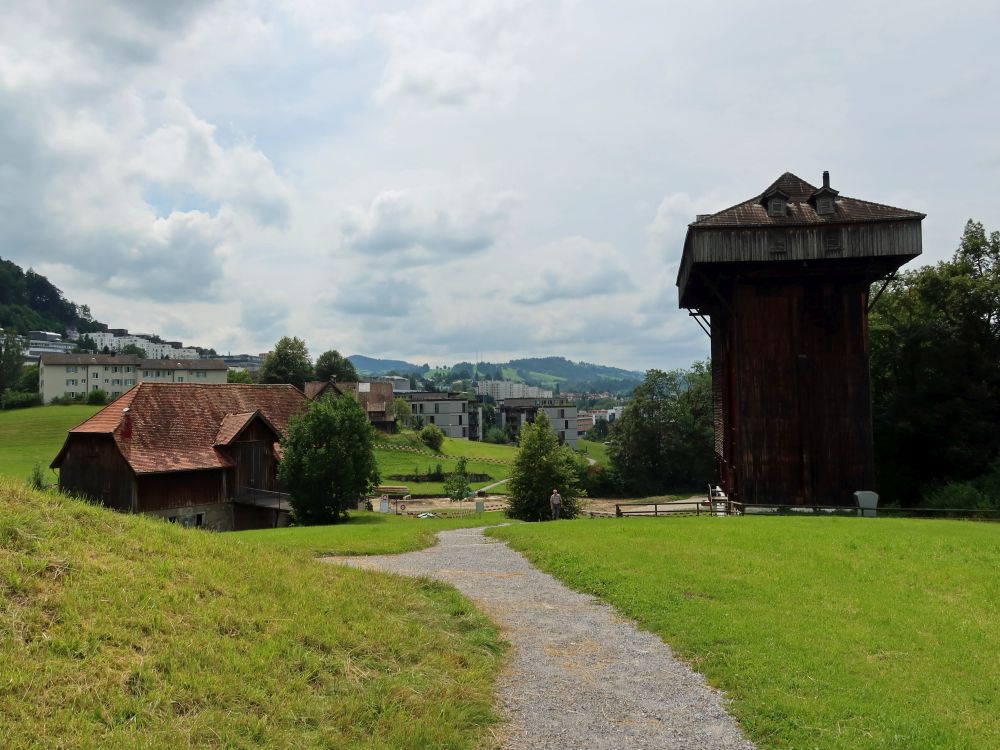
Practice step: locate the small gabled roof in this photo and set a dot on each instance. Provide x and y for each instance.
(233, 426)
(801, 209)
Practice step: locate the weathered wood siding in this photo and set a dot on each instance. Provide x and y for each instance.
(793, 397)
(179, 489)
(94, 468)
(894, 242)
(253, 454)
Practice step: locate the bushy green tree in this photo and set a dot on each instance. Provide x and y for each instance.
(328, 461)
(664, 440)
(496, 435)
(239, 376)
(401, 410)
(134, 350)
(11, 359)
(935, 349)
(288, 363)
(542, 464)
(28, 382)
(432, 437)
(457, 485)
(97, 397)
(331, 364)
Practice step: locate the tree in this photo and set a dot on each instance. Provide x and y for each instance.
(133, 349)
(599, 432)
(85, 344)
(328, 461)
(28, 382)
(935, 344)
(332, 365)
(239, 376)
(541, 466)
(432, 437)
(288, 363)
(457, 485)
(11, 358)
(97, 397)
(402, 411)
(664, 439)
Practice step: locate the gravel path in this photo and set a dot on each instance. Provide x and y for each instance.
(581, 676)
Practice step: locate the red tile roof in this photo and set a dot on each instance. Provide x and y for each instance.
(176, 426)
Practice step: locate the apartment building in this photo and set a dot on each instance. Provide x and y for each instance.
(73, 376)
(117, 339)
(562, 414)
(502, 389)
(450, 412)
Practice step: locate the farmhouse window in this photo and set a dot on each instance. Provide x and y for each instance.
(825, 205)
(776, 207)
(778, 243)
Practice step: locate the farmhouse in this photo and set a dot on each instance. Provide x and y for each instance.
(375, 398)
(781, 283)
(203, 455)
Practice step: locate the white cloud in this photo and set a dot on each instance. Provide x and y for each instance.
(573, 268)
(423, 226)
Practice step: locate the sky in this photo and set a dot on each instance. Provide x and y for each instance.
(439, 180)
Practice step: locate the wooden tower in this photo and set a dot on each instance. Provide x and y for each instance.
(781, 282)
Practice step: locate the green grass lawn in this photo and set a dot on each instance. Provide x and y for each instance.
(403, 462)
(36, 434)
(596, 451)
(368, 533)
(825, 632)
(123, 631)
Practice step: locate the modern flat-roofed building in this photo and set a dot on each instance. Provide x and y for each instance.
(562, 414)
(73, 376)
(499, 390)
(448, 411)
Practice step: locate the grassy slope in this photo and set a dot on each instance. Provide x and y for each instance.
(404, 462)
(122, 631)
(596, 451)
(368, 534)
(36, 434)
(826, 633)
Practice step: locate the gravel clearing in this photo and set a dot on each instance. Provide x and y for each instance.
(581, 675)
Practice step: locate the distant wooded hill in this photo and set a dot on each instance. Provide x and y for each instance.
(30, 302)
(547, 372)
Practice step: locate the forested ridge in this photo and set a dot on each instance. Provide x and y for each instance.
(30, 302)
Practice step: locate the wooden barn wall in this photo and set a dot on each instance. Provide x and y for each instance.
(180, 489)
(803, 418)
(722, 397)
(253, 454)
(94, 468)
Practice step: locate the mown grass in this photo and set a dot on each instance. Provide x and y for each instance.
(368, 534)
(596, 451)
(403, 462)
(120, 631)
(36, 434)
(828, 633)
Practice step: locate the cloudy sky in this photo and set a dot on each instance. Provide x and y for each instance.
(432, 180)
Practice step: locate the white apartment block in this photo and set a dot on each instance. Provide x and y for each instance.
(501, 389)
(73, 376)
(153, 350)
(448, 412)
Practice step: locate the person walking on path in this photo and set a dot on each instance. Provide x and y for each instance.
(555, 503)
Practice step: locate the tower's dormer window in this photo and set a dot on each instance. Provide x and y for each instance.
(825, 205)
(776, 207)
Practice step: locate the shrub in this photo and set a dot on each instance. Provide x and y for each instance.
(541, 466)
(457, 486)
(36, 480)
(97, 397)
(432, 437)
(496, 435)
(19, 400)
(957, 495)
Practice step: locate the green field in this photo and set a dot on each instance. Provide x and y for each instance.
(404, 462)
(368, 534)
(596, 451)
(36, 434)
(123, 631)
(827, 633)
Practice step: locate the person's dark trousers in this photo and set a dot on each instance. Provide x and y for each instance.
(555, 512)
